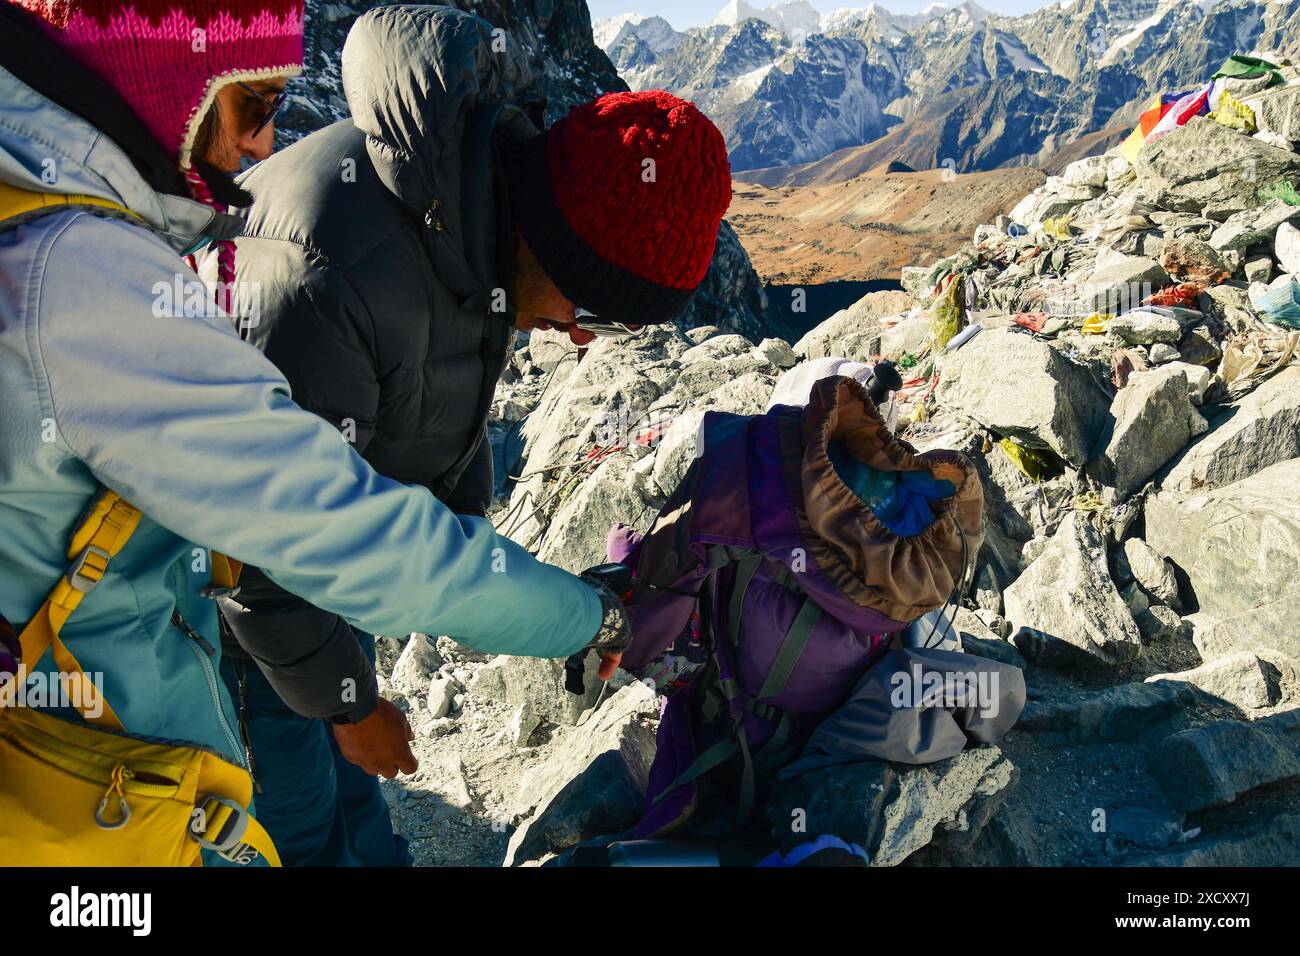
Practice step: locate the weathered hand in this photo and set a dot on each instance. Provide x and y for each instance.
(379, 743)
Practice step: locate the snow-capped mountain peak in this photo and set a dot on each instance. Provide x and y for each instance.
(655, 31)
(791, 18)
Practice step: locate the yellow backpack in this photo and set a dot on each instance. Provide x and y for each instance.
(91, 794)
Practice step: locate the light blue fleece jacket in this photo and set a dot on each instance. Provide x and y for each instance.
(198, 430)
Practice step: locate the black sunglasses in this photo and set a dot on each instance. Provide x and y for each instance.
(273, 106)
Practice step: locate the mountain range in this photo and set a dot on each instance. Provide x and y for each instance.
(953, 87)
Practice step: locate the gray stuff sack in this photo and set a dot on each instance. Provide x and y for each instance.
(917, 706)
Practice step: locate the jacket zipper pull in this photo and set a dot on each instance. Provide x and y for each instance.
(192, 634)
(242, 677)
(431, 220)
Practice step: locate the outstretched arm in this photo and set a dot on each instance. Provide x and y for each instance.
(198, 430)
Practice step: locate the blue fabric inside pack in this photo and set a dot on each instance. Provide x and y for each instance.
(901, 500)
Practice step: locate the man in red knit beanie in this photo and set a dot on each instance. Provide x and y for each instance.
(620, 203)
(397, 253)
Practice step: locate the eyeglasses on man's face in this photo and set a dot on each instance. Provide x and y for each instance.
(606, 328)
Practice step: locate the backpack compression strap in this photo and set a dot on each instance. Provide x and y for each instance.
(782, 666)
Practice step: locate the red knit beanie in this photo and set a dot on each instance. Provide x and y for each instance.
(620, 202)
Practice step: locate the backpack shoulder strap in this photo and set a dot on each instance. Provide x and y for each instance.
(21, 204)
(101, 533)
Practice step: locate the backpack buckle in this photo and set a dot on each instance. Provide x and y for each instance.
(227, 841)
(82, 574)
(214, 591)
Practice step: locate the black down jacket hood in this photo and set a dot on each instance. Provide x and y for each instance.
(382, 249)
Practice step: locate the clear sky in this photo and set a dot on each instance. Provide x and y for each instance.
(694, 13)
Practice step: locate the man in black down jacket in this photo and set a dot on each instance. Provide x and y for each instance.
(392, 258)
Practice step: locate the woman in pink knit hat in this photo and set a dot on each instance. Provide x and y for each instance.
(118, 372)
(205, 77)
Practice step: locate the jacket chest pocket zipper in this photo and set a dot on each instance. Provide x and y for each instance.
(204, 651)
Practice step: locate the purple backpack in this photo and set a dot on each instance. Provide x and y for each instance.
(765, 589)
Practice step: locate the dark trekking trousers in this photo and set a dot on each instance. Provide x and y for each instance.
(320, 809)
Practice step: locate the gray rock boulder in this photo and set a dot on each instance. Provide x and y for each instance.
(1230, 303)
(852, 333)
(1042, 204)
(1205, 162)
(441, 691)
(522, 724)
(1286, 246)
(677, 450)
(1068, 595)
(591, 403)
(593, 783)
(1145, 328)
(1154, 420)
(1199, 378)
(1124, 712)
(701, 377)
(1151, 571)
(1239, 546)
(1253, 226)
(1024, 388)
(776, 352)
(1278, 110)
(716, 347)
(1145, 828)
(701, 332)
(1159, 623)
(1160, 353)
(1261, 429)
(1213, 765)
(1198, 347)
(1243, 680)
(537, 684)
(889, 810)
(745, 394)
(576, 538)
(415, 666)
(1121, 283)
(1274, 841)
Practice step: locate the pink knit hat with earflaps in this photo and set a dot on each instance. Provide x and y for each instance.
(169, 58)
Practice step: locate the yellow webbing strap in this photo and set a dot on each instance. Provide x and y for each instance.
(16, 201)
(101, 535)
(225, 570)
(217, 815)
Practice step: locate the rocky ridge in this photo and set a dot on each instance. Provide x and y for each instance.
(1140, 558)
